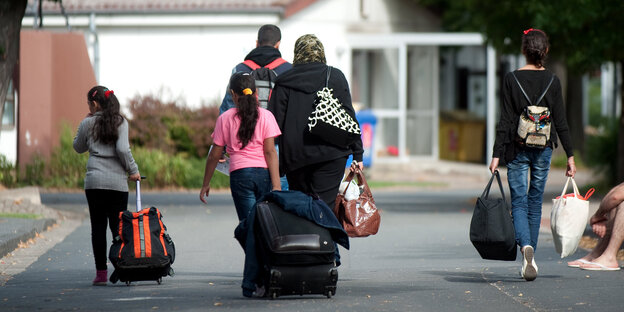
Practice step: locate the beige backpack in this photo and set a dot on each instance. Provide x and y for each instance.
(535, 121)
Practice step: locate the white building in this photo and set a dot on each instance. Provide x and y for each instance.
(398, 62)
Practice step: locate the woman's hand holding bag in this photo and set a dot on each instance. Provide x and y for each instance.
(359, 216)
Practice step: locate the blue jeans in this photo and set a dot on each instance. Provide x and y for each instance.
(247, 185)
(526, 197)
(283, 180)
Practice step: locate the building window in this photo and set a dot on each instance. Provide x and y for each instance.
(8, 114)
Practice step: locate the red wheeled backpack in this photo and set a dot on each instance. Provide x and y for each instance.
(143, 250)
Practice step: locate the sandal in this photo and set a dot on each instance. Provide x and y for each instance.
(577, 263)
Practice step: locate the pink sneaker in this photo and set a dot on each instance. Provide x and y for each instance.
(101, 277)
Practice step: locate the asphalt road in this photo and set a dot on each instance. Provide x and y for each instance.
(421, 260)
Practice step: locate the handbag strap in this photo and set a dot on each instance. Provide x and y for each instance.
(574, 187)
(353, 171)
(565, 187)
(541, 96)
(486, 191)
(328, 74)
(576, 190)
(348, 179)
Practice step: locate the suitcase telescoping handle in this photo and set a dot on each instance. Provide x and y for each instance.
(138, 194)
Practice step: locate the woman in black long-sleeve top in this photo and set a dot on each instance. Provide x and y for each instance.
(526, 198)
(311, 165)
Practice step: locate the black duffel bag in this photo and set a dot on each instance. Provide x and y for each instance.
(491, 228)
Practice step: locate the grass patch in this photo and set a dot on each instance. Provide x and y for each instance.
(19, 215)
(387, 184)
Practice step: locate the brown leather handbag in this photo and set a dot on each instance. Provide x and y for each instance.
(359, 217)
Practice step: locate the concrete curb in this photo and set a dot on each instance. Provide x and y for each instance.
(16, 231)
(13, 231)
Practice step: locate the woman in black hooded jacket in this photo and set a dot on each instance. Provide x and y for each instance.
(311, 165)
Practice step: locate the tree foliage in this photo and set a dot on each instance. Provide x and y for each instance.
(583, 33)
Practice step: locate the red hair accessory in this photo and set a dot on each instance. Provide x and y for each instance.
(108, 93)
(528, 30)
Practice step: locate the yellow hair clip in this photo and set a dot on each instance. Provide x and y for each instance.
(247, 91)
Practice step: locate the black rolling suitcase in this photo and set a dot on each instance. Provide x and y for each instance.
(297, 254)
(143, 251)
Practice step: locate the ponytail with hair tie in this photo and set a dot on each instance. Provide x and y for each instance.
(247, 91)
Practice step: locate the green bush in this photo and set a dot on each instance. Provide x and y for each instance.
(560, 160)
(170, 143)
(166, 171)
(171, 128)
(35, 171)
(601, 153)
(7, 172)
(65, 168)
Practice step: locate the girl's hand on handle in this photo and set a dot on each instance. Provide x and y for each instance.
(494, 164)
(135, 177)
(203, 194)
(571, 167)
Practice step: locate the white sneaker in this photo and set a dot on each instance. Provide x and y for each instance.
(529, 268)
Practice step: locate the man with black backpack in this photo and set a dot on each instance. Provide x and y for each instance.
(264, 63)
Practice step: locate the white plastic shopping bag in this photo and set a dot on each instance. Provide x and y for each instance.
(568, 219)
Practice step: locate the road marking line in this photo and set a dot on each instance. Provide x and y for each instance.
(140, 298)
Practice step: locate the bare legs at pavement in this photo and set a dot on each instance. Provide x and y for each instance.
(608, 224)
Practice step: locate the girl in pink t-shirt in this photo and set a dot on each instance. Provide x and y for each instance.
(248, 131)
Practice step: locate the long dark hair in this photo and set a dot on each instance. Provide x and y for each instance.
(106, 124)
(535, 46)
(244, 85)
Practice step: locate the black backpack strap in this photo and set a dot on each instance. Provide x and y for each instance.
(521, 89)
(541, 96)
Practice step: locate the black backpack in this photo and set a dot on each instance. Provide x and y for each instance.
(265, 78)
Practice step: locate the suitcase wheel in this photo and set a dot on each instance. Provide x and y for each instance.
(330, 291)
(275, 274)
(159, 280)
(274, 295)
